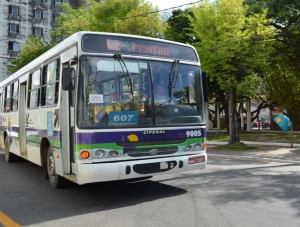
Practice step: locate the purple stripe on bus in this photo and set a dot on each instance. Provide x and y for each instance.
(146, 135)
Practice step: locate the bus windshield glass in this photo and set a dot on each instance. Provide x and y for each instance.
(116, 92)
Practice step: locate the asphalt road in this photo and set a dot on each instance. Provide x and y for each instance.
(231, 193)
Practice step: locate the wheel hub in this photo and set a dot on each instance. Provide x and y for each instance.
(50, 166)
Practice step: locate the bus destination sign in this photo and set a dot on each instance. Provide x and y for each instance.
(118, 45)
(137, 46)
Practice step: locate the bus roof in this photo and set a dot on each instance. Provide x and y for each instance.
(71, 40)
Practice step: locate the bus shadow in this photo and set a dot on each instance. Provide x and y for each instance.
(29, 180)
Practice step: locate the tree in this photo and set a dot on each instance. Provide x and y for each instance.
(180, 28)
(283, 76)
(33, 47)
(118, 16)
(283, 83)
(232, 46)
(123, 16)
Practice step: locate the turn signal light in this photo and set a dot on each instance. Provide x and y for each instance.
(85, 154)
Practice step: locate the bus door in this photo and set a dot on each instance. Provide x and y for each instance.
(67, 115)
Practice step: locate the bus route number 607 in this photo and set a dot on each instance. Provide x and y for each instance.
(123, 118)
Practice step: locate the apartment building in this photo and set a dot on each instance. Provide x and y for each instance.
(22, 18)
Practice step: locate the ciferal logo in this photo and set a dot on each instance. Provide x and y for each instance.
(153, 152)
(153, 132)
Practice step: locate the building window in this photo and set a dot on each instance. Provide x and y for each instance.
(14, 28)
(50, 83)
(38, 31)
(13, 46)
(38, 14)
(55, 16)
(34, 89)
(57, 2)
(13, 10)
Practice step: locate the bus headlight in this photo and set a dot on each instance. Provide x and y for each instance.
(114, 154)
(197, 147)
(188, 148)
(100, 153)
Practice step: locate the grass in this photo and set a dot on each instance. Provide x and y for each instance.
(276, 137)
(260, 136)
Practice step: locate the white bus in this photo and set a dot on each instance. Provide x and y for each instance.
(83, 109)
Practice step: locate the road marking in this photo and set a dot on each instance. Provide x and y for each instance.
(6, 221)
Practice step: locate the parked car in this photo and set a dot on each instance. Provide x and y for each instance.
(257, 124)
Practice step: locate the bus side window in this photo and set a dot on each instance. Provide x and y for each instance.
(15, 94)
(7, 99)
(34, 89)
(50, 83)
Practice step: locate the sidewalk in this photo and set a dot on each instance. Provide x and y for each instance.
(264, 152)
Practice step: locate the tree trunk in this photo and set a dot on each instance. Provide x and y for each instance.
(223, 99)
(233, 121)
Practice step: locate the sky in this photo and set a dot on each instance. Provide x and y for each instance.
(165, 4)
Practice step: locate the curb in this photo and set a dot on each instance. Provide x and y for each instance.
(251, 158)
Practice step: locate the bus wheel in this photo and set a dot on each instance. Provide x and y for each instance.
(9, 157)
(55, 180)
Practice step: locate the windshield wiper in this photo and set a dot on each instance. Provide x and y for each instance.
(173, 77)
(118, 56)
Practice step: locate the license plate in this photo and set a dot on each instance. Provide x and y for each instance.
(196, 160)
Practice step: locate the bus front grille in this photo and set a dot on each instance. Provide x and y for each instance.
(142, 152)
(150, 142)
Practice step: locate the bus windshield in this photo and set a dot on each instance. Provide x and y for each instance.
(114, 92)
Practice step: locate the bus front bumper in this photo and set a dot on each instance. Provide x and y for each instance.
(100, 172)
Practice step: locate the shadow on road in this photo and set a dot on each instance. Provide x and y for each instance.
(26, 193)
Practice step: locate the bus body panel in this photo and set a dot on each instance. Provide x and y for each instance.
(22, 119)
(117, 171)
(11, 127)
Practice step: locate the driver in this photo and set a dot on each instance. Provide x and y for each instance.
(159, 96)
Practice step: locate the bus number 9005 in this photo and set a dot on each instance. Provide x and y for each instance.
(193, 133)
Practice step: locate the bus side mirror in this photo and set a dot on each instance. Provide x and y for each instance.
(204, 84)
(68, 79)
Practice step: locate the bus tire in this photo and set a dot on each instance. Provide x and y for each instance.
(9, 157)
(55, 180)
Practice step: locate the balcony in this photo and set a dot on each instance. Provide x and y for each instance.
(14, 17)
(13, 35)
(56, 8)
(37, 21)
(13, 54)
(38, 5)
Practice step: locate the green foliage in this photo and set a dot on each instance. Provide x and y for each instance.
(231, 45)
(179, 28)
(284, 85)
(252, 86)
(142, 21)
(33, 48)
(283, 75)
(122, 16)
(117, 16)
